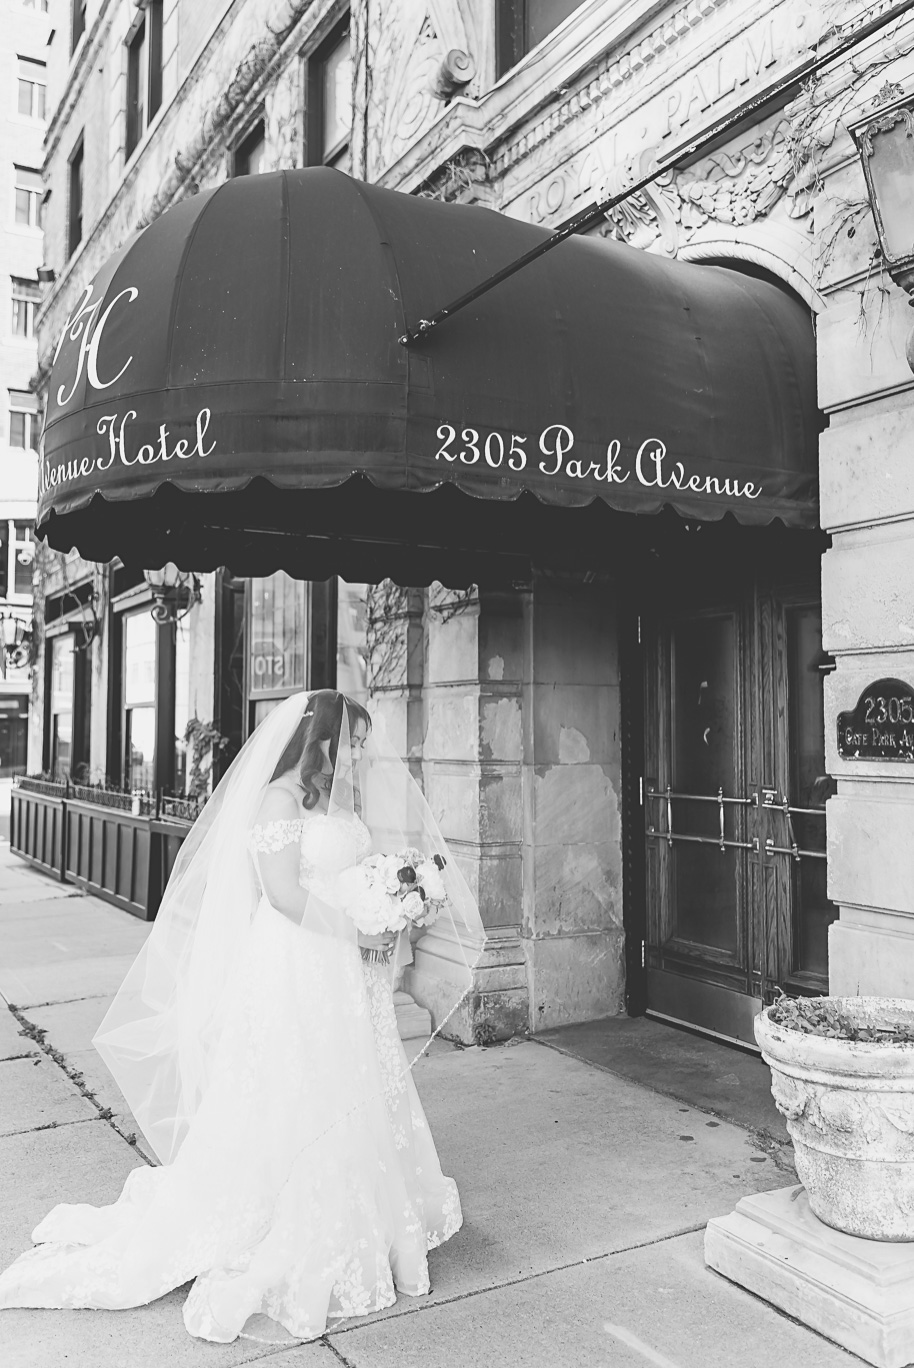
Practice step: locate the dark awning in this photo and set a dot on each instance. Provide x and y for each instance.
(235, 365)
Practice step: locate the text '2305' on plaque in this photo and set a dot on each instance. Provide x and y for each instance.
(881, 726)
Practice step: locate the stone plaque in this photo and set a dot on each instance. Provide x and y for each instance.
(881, 726)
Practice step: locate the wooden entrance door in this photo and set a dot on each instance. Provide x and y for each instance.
(733, 793)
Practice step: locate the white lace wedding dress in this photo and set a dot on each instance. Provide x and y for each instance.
(308, 1187)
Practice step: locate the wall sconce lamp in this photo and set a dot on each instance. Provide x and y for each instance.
(885, 141)
(15, 639)
(174, 592)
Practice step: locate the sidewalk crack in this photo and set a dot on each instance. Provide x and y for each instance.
(48, 1125)
(39, 1035)
(397, 1311)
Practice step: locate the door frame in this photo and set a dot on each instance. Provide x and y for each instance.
(800, 574)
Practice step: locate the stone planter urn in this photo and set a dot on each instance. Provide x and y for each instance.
(849, 1107)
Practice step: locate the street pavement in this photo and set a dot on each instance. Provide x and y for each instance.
(585, 1194)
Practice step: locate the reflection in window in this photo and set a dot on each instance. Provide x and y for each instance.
(75, 208)
(32, 88)
(144, 72)
(61, 705)
(278, 653)
(330, 102)
(522, 24)
(26, 295)
(22, 548)
(249, 154)
(182, 704)
(24, 420)
(352, 640)
(28, 194)
(139, 699)
(78, 23)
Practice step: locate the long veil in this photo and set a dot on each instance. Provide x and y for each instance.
(162, 1034)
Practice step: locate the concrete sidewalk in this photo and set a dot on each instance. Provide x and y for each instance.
(585, 1194)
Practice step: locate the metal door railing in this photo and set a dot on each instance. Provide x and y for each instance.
(766, 799)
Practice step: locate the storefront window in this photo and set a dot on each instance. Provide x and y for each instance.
(139, 699)
(182, 704)
(278, 661)
(352, 640)
(61, 705)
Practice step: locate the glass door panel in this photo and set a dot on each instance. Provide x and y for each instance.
(705, 732)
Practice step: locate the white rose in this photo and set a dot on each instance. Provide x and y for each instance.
(412, 905)
(431, 880)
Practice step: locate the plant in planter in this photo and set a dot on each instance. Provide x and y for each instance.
(204, 740)
(842, 1074)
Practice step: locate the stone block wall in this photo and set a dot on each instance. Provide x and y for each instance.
(522, 769)
(867, 504)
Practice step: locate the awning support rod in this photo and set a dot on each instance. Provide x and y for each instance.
(722, 125)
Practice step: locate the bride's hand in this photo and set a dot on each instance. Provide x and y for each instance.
(382, 942)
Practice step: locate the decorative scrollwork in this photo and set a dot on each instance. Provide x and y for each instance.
(882, 123)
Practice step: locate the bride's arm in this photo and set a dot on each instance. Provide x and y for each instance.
(278, 845)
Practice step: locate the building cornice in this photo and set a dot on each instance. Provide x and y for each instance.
(573, 73)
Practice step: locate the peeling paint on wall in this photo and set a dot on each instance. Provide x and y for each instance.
(573, 747)
(497, 667)
(501, 732)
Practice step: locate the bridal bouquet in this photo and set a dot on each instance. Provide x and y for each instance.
(391, 892)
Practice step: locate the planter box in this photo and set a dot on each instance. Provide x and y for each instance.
(100, 846)
(37, 831)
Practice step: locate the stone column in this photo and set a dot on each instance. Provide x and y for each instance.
(573, 937)
(522, 770)
(867, 504)
(473, 770)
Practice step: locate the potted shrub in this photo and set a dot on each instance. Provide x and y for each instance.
(842, 1074)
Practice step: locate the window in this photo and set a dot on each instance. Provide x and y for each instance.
(330, 101)
(33, 83)
(22, 554)
(28, 195)
(75, 210)
(17, 557)
(248, 158)
(24, 422)
(352, 640)
(26, 294)
(139, 676)
(522, 24)
(79, 23)
(278, 660)
(61, 693)
(144, 72)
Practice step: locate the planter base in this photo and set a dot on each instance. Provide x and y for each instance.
(859, 1293)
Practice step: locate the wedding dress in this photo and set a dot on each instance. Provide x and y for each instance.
(304, 1183)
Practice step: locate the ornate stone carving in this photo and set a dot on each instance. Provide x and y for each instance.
(726, 187)
(423, 63)
(609, 78)
(464, 179)
(454, 74)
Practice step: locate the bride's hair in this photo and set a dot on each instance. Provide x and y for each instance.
(322, 722)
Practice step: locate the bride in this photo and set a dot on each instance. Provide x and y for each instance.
(256, 1043)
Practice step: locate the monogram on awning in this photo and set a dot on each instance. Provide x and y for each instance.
(232, 388)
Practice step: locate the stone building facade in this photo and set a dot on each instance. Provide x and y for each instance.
(23, 81)
(544, 719)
